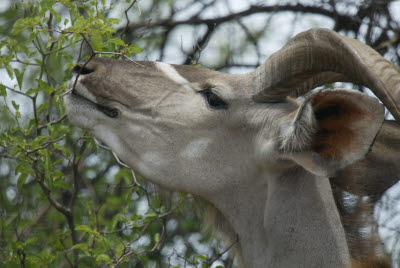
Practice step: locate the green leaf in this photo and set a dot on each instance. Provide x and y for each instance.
(201, 257)
(39, 62)
(34, 260)
(119, 249)
(44, 86)
(10, 71)
(81, 246)
(97, 42)
(19, 25)
(39, 140)
(32, 91)
(20, 76)
(21, 180)
(3, 91)
(44, 106)
(134, 49)
(62, 184)
(31, 240)
(86, 228)
(15, 105)
(113, 21)
(116, 41)
(48, 168)
(156, 237)
(83, 228)
(21, 168)
(150, 215)
(103, 257)
(93, 143)
(55, 14)
(128, 196)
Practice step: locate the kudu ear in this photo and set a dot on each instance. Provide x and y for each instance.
(331, 130)
(378, 170)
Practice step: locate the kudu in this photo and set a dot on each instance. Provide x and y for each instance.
(248, 146)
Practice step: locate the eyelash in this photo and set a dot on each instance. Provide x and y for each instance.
(213, 100)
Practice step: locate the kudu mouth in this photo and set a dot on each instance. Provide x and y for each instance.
(108, 111)
(81, 92)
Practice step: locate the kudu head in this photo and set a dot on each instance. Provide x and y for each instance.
(223, 136)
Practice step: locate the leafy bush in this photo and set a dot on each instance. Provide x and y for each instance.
(65, 201)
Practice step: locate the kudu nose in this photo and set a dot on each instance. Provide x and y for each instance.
(81, 70)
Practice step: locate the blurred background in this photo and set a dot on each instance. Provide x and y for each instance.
(64, 200)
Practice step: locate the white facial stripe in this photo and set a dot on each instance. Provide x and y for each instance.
(172, 74)
(85, 93)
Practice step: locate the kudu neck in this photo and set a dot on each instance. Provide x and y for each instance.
(289, 220)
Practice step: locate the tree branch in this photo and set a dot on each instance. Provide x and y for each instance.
(169, 23)
(200, 45)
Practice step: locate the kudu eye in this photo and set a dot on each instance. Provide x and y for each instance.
(213, 100)
(81, 70)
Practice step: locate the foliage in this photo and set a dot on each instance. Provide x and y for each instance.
(65, 201)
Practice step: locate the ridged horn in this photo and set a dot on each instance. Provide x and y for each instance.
(321, 56)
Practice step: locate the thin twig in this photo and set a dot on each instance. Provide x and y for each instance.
(82, 67)
(223, 252)
(120, 162)
(11, 157)
(53, 122)
(23, 62)
(128, 251)
(254, 9)
(127, 18)
(47, 144)
(17, 92)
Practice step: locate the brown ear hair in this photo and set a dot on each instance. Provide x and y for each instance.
(378, 170)
(343, 127)
(372, 262)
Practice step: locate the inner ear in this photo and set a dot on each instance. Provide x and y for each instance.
(335, 127)
(336, 117)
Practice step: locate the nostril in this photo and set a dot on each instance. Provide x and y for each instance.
(82, 70)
